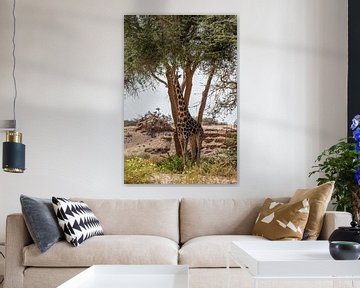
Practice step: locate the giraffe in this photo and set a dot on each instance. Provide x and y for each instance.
(187, 128)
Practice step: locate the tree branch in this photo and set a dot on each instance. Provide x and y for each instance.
(159, 79)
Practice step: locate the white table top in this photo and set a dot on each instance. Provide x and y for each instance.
(291, 259)
(131, 276)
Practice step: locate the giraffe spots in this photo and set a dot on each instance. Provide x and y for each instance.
(187, 127)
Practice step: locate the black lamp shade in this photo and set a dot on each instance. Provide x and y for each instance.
(13, 157)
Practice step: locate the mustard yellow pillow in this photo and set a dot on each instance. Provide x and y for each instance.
(319, 198)
(279, 221)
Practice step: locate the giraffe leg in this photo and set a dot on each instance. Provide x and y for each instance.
(185, 151)
(198, 147)
(193, 149)
(184, 157)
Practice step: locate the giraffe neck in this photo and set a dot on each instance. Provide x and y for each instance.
(182, 110)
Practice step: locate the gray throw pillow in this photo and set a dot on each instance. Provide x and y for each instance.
(41, 221)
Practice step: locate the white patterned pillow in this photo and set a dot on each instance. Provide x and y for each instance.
(77, 220)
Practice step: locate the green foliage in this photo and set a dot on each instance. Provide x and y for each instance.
(153, 43)
(339, 163)
(138, 171)
(217, 166)
(231, 153)
(220, 166)
(172, 164)
(212, 170)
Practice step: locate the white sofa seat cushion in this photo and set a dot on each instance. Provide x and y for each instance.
(211, 251)
(107, 249)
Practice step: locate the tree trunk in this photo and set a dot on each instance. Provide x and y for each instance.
(189, 74)
(205, 94)
(174, 110)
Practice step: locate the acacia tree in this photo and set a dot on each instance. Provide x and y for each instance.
(156, 47)
(220, 63)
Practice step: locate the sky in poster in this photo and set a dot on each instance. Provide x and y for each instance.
(149, 100)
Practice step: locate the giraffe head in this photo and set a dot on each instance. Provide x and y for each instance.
(179, 97)
(175, 79)
(177, 87)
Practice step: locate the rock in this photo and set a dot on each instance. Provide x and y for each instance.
(220, 139)
(167, 138)
(159, 150)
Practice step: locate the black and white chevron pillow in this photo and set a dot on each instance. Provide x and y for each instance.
(77, 220)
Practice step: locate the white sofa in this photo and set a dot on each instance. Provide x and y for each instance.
(195, 232)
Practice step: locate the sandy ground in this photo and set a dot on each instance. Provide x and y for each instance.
(161, 143)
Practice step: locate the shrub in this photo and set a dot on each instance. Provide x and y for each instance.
(138, 171)
(173, 164)
(220, 166)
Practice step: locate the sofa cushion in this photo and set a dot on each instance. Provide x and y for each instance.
(201, 217)
(77, 220)
(279, 221)
(211, 251)
(319, 198)
(158, 217)
(107, 249)
(41, 221)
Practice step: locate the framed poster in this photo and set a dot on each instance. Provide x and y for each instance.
(180, 106)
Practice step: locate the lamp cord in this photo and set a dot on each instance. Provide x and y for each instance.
(14, 61)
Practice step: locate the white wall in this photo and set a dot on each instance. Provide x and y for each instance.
(293, 62)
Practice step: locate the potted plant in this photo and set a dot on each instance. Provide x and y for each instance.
(341, 163)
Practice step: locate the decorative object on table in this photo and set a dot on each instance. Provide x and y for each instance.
(279, 221)
(319, 198)
(344, 233)
(341, 163)
(344, 250)
(13, 149)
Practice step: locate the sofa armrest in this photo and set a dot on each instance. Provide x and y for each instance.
(17, 237)
(333, 220)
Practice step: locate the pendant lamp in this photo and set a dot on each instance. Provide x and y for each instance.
(13, 160)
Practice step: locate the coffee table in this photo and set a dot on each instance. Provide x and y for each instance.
(293, 260)
(131, 276)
